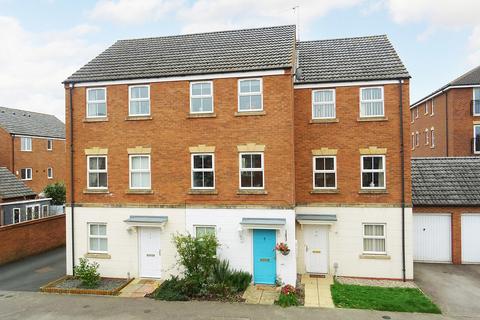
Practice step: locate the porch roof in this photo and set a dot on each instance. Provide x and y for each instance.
(265, 223)
(140, 221)
(316, 218)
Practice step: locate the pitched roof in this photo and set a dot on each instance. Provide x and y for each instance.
(11, 187)
(446, 181)
(350, 59)
(30, 123)
(202, 53)
(469, 78)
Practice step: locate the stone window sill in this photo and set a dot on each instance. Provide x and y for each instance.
(138, 118)
(368, 119)
(203, 191)
(373, 191)
(139, 191)
(103, 119)
(202, 115)
(97, 256)
(313, 121)
(95, 191)
(251, 191)
(320, 191)
(375, 256)
(250, 113)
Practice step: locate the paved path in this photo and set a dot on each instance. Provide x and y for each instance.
(317, 291)
(454, 288)
(260, 294)
(42, 306)
(31, 273)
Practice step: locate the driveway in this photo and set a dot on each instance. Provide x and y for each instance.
(454, 288)
(31, 273)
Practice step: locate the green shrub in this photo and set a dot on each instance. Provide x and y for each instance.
(172, 290)
(237, 281)
(57, 191)
(288, 297)
(87, 273)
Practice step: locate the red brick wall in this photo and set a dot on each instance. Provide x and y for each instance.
(29, 238)
(171, 132)
(5, 149)
(39, 159)
(456, 213)
(347, 136)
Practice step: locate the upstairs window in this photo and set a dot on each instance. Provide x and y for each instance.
(476, 139)
(413, 141)
(201, 97)
(251, 171)
(203, 171)
(371, 102)
(412, 116)
(426, 137)
(433, 107)
(476, 102)
(432, 137)
(373, 172)
(324, 173)
(250, 95)
(374, 239)
(323, 104)
(417, 139)
(25, 144)
(416, 111)
(139, 102)
(140, 172)
(97, 172)
(427, 108)
(49, 144)
(26, 174)
(50, 173)
(96, 102)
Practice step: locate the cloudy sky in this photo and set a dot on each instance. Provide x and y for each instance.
(44, 41)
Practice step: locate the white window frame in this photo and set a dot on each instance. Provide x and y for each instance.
(240, 94)
(314, 104)
(262, 169)
(47, 213)
(325, 171)
(97, 171)
(202, 96)
(416, 112)
(149, 171)
(413, 141)
(27, 178)
(417, 139)
(130, 99)
(432, 137)
(412, 116)
(26, 213)
(96, 101)
(195, 227)
(377, 100)
(193, 170)
(19, 215)
(49, 173)
(475, 98)
(475, 140)
(26, 144)
(384, 237)
(427, 107)
(33, 211)
(89, 236)
(427, 137)
(432, 113)
(384, 170)
(49, 144)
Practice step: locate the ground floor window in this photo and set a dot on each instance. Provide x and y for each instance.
(45, 211)
(97, 238)
(204, 230)
(374, 238)
(26, 174)
(16, 215)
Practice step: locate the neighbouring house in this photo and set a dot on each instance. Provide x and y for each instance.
(446, 209)
(247, 134)
(18, 203)
(446, 123)
(32, 146)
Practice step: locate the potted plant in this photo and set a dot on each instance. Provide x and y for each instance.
(282, 248)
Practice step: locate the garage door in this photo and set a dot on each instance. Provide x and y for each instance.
(432, 238)
(471, 238)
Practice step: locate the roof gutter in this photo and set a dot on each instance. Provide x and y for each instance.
(72, 187)
(402, 174)
(441, 91)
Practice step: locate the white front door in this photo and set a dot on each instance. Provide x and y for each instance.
(316, 248)
(149, 252)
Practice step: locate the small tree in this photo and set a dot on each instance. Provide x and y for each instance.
(57, 191)
(87, 273)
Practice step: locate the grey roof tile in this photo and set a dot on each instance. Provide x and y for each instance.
(30, 123)
(446, 181)
(350, 59)
(203, 53)
(11, 187)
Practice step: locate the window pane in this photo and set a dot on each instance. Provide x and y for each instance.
(136, 180)
(206, 89)
(197, 162)
(207, 162)
(207, 104)
(254, 85)
(244, 86)
(256, 161)
(101, 109)
(102, 229)
(367, 180)
(379, 179)
(246, 161)
(196, 89)
(319, 164)
(244, 102)
(378, 163)
(102, 180)
(93, 180)
(368, 245)
(196, 105)
(246, 179)
(258, 179)
(94, 246)
(256, 102)
(367, 162)
(94, 229)
(102, 244)
(319, 180)
(198, 179)
(329, 180)
(329, 164)
(208, 179)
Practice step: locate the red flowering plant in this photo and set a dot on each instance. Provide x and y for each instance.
(282, 248)
(288, 289)
(288, 297)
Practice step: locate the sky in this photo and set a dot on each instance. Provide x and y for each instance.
(42, 42)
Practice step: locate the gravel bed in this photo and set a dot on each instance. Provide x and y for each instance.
(105, 284)
(377, 283)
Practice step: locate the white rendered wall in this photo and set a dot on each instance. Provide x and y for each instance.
(236, 246)
(346, 241)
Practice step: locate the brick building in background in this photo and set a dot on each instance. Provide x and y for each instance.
(32, 146)
(247, 134)
(446, 123)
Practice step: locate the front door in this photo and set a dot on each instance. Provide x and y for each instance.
(264, 256)
(150, 253)
(316, 248)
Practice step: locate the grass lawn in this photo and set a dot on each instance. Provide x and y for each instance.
(383, 299)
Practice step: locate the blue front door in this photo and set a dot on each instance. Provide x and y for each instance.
(264, 262)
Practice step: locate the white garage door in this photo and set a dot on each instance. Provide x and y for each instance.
(432, 238)
(471, 238)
